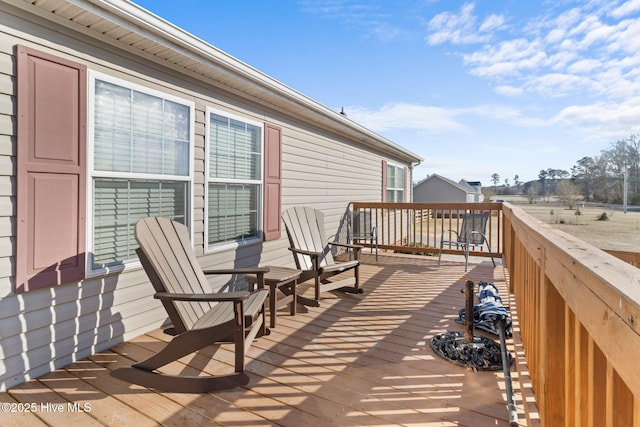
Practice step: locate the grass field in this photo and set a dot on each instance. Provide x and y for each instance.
(620, 232)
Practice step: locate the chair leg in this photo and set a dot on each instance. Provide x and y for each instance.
(376, 240)
(317, 287)
(491, 254)
(238, 335)
(294, 294)
(466, 258)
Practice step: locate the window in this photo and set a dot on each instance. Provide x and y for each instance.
(234, 180)
(141, 150)
(395, 183)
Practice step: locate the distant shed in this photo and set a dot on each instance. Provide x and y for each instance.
(438, 189)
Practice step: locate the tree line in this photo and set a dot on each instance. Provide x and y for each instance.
(598, 178)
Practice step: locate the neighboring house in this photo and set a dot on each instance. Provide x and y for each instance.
(476, 187)
(109, 114)
(438, 189)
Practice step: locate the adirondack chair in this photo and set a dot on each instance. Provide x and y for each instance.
(472, 233)
(200, 315)
(312, 253)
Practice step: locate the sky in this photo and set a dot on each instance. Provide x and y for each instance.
(476, 88)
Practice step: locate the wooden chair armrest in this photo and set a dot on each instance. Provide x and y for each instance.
(221, 296)
(346, 245)
(249, 270)
(305, 252)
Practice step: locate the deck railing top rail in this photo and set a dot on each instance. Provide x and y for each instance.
(419, 227)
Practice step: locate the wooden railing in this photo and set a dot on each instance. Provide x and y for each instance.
(632, 258)
(579, 316)
(418, 227)
(578, 307)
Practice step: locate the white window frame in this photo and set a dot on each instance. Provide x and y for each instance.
(224, 246)
(93, 174)
(395, 189)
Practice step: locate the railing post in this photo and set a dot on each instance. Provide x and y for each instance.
(469, 311)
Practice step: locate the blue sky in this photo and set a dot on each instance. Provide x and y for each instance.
(475, 88)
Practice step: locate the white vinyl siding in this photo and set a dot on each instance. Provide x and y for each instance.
(234, 180)
(141, 165)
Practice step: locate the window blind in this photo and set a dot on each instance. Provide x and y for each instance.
(235, 174)
(143, 139)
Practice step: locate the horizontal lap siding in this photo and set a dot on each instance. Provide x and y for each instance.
(326, 173)
(7, 170)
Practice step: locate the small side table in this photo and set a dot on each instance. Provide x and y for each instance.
(282, 278)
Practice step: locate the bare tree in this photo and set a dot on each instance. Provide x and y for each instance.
(532, 192)
(568, 193)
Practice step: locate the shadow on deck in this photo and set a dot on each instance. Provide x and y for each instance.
(357, 360)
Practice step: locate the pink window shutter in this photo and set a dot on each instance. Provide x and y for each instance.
(272, 181)
(51, 168)
(384, 181)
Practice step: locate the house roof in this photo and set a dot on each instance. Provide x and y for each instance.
(133, 29)
(466, 185)
(435, 176)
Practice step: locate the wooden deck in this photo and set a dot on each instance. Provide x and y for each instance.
(357, 360)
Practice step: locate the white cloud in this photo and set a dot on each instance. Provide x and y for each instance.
(507, 58)
(405, 116)
(436, 120)
(565, 21)
(365, 15)
(492, 22)
(554, 85)
(626, 8)
(584, 66)
(461, 28)
(507, 90)
(627, 38)
(602, 121)
(556, 35)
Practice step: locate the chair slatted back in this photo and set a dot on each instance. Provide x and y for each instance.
(362, 225)
(473, 222)
(172, 267)
(305, 228)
